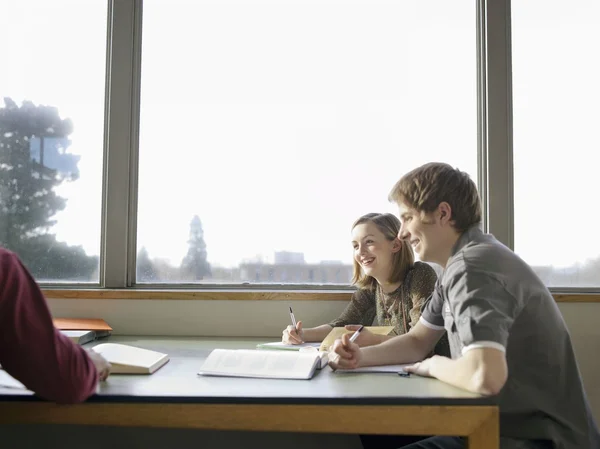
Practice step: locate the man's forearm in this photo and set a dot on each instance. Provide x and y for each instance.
(397, 350)
(474, 374)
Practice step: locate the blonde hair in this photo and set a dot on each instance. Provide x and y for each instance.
(425, 187)
(402, 261)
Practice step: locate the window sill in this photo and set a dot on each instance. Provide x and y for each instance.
(242, 295)
(204, 295)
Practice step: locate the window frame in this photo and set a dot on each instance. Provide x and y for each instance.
(121, 155)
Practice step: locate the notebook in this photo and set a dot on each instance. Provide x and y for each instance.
(263, 364)
(79, 337)
(99, 326)
(126, 359)
(337, 332)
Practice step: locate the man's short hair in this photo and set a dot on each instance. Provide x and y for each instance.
(425, 187)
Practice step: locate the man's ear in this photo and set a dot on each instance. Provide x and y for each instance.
(396, 245)
(444, 213)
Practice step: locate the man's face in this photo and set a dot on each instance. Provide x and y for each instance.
(422, 232)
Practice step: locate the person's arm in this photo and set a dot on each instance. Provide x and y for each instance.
(422, 286)
(480, 370)
(408, 348)
(360, 310)
(316, 333)
(31, 349)
(483, 313)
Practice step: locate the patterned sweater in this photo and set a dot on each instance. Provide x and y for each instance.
(400, 308)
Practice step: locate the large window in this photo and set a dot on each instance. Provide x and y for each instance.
(51, 135)
(267, 128)
(240, 140)
(556, 68)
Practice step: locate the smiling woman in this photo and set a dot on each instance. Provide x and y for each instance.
(392, 288)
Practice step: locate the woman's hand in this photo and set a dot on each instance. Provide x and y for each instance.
(366, 338)
(344, 354)
(293, 335)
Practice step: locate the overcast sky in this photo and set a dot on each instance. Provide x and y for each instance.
(278, 123)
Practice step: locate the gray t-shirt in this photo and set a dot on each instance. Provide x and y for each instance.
(489, 297)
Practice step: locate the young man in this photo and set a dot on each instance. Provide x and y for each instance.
(506, 333)
(32, 350)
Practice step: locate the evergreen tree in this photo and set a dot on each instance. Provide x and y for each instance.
(146, 271)
(195, 265)
(28, 200)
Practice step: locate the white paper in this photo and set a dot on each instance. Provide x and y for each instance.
(376, 369)
(7, 381)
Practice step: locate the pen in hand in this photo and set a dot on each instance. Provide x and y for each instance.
(356, 334)
(352, 338)
(293, 318)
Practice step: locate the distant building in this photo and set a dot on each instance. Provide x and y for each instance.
(298, 273)
(287, 257)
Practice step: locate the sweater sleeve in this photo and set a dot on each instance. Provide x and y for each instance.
(422, 285)
(360, 310)
(31, 349)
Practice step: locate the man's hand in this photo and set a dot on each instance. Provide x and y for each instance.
(422, 368)
(101, 364)
(366, 338)
(344, 354)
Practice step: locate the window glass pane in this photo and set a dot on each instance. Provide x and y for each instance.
(269, 127)
(51, 135)
(556, 68)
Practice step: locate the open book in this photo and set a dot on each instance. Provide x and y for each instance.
(7, 381)
(257, 363)
(126, 359)
(285, 347)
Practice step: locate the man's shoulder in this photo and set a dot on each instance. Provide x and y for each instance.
(476, 260)
(7, 256)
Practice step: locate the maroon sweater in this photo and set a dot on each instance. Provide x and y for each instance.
(31, 349)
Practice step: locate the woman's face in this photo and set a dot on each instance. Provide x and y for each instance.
(373, 252)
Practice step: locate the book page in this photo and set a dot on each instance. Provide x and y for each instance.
(283, 346)
(258, 363)
(337, 332)
(7, 381)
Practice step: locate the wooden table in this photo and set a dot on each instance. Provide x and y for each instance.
(348, 403)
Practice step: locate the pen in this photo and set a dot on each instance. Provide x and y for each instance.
(293, 318)
(354, 337)
(403, 374)
(356, 334)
